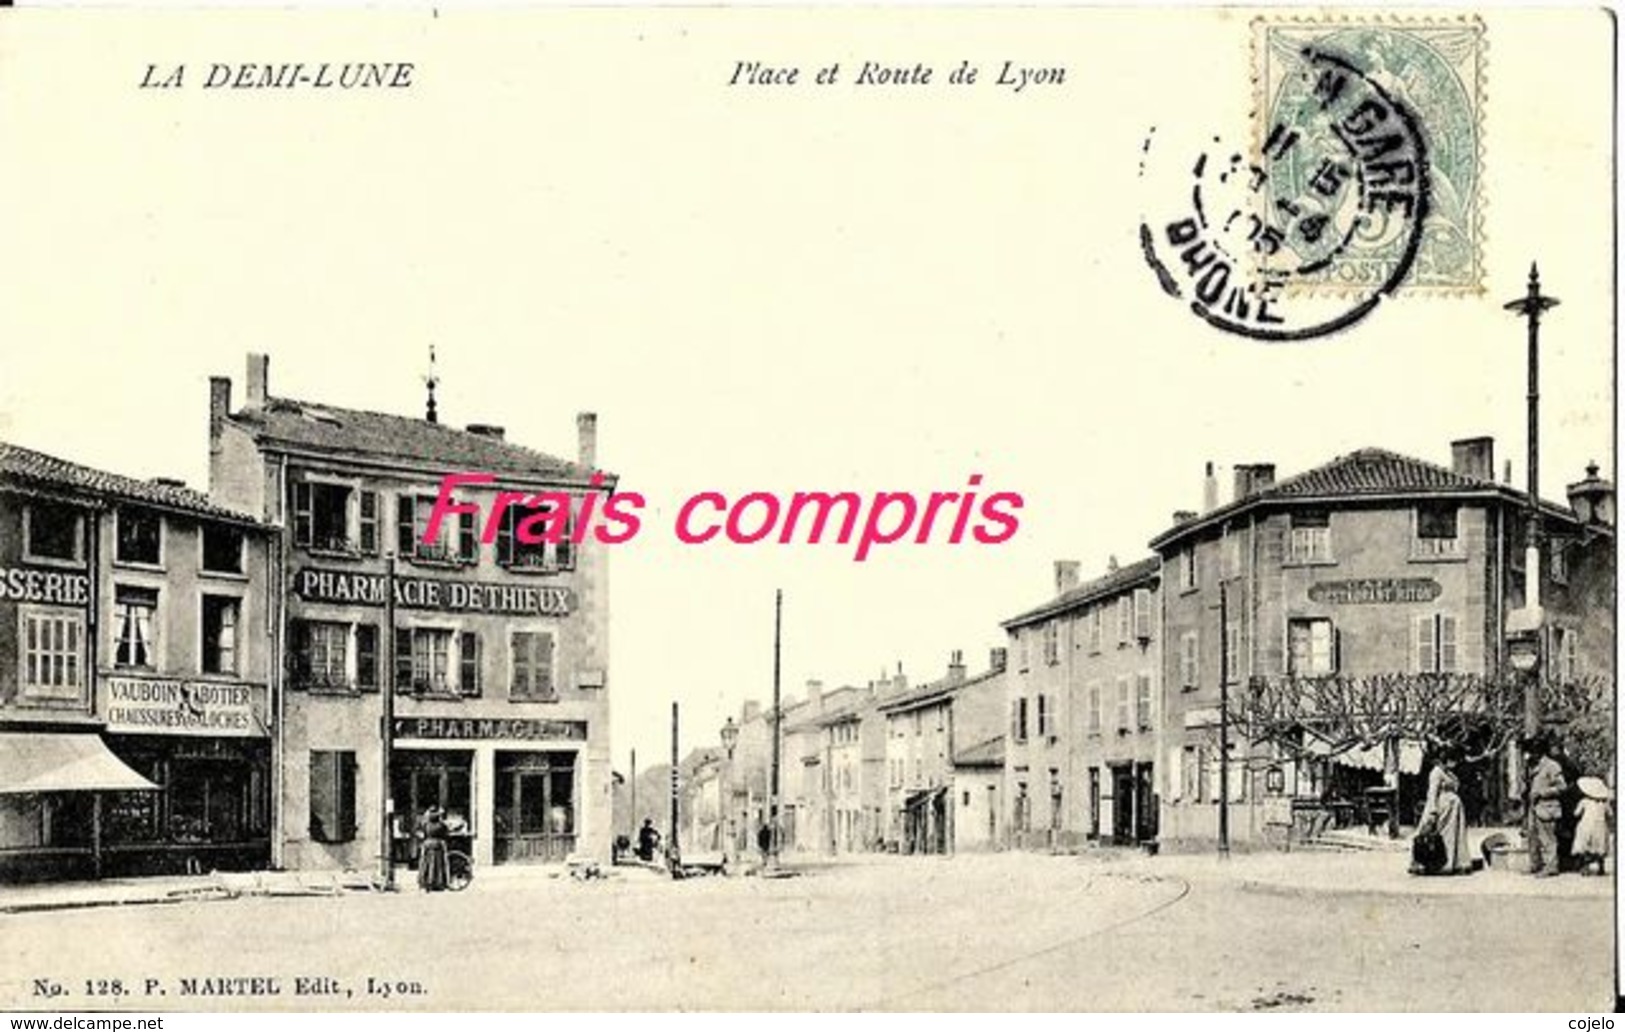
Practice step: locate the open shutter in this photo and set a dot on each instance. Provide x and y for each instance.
(405, 541)
(346, 795)
(468, 546)
(366, 656)
(1142, 614)
(1424, 655)
(1447, 644)
(299, 652)
(403, 658)
(468, 663)
(564, 553)
(505, 537)
(302, 523)
(368, 510)
(542, 669)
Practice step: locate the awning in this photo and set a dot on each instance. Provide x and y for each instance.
(45, 762)
(1371, 757)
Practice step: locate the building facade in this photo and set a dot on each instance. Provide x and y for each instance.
(135, 674)
(1373, 565)
(492, 655)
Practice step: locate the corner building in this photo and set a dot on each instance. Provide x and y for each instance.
(497, 652)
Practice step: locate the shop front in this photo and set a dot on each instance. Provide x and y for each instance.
(206, 746)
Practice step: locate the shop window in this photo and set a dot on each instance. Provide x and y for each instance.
(1437, 535)
(332, 796)
(134, 612)
(53, 532)
(222, 549)
(220, 617)
(1310, 538)
(532, 674)
(53, 645)
(321, 517)
(514, 552)
(320, 654)
(1433, 644)
(1311, 647)
(139, 537)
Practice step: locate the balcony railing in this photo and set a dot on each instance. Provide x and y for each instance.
(1436, 548)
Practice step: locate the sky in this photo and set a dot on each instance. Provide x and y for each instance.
(758, 288)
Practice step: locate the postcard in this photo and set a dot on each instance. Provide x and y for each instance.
(804, 509)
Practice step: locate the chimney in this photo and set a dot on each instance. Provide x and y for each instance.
(167, 481)
(1252, 478)
(496, 433)
(587, 439)
(1183, 516)
(1111, 564)
(998, 658)
(1473, 457)
(219, 404)
(956, 667)
(1066, 575)
(259, 381)
(750, 711)
(1210, 490)
(1592, 499)
(1507, 478)
(815, 696)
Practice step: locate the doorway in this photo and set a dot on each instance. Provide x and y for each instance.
(534, 816)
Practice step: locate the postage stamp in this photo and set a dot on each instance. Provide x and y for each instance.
(1435, 68)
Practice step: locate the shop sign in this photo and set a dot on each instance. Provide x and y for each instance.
(505, 728)
(46, 586)
(1375, 591)
(138, 705)
(349, 587)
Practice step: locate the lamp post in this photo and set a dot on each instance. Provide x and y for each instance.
(730, 738)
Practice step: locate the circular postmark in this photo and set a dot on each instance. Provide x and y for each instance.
(1343, 164)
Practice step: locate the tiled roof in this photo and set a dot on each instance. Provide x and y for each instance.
(983, 754)
(38, 468)
(1366, 473)
(1101, 587)
(926, 693)
(328, 428)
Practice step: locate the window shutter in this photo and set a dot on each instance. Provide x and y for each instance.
(299, 652)
(541, 673)
(369, 522)
(323, 784)
(346, 795)
(519, 683)
(1447, 644)
(1424, 653)
(1143, 700)
(1176, 773)
(468, 546)
(405, 541)
(564, 552)
(403, 658)
(366, 656)
(1337, 650)
(505, 537)
(1142, 614)
(468, 662)
(302, 522)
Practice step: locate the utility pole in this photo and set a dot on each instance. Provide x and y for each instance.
(635, 825)
(773, 801)
(671, 846)
(1532, 306)
(1224, 720)
(386, 836)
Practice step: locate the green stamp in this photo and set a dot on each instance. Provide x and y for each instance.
(1434, 67)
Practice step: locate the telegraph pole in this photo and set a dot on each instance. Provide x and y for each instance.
(1224, 720)
(387, 728)
(773, 800)
(671, 847)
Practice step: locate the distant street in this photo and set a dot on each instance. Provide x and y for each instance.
(1007, 931)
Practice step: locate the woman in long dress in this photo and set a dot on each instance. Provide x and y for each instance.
(1449, 819)
(432, 873)
(1591, 833)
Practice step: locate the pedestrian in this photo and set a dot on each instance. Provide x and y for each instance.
(1443, 816)
(1546, 788)
(1591, 831)
(764, 841)
(432, 872)
(648, 841)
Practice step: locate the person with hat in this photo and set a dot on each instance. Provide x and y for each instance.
(1591, 832)
(432, 870)
(1546, 788)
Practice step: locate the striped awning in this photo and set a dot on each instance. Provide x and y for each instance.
(63, 762)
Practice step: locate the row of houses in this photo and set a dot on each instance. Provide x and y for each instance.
(225, 679)
(1099, 720)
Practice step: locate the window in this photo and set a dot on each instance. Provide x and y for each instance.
(1565, 654)
(540, 554)
(1195, 769)
(1024, 648)
(1189, 661)
(320, 653)
(220, 634)
(1310, 540)
(1187, 569)
(1043, 716)
(222, 549)
(1311, 648)
(53, 532)
(423, 660)
(1018, 720)
(532, 676)
(1436, 532)
(1125, 619)
(1097, 620)
(321, 516)
(1052, 642)
(1094, 706)
(457, 543)
(139, 536)
(1142, 701)
(52, 645)
(1557, 567)
(1142, 614)
(332, 796)
(1433, 644)
(368, 509)
(133, 613)
(1125, 706)
(1230, 551)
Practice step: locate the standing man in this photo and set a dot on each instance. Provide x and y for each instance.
(1546, 789)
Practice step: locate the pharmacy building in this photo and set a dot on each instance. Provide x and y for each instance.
(491, 655)
(135, 676)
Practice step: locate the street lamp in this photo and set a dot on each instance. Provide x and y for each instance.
(730, 738)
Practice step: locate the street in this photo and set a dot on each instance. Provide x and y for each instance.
(989, 932)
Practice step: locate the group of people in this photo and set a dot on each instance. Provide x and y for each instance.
(1440, 846)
